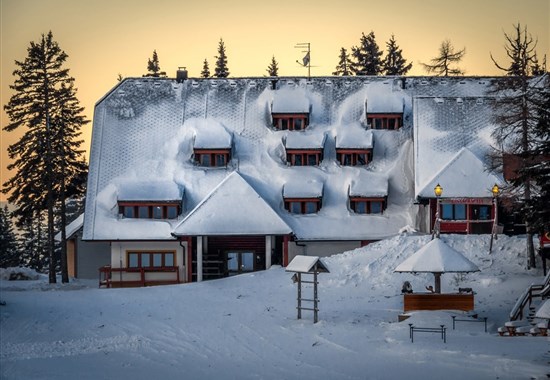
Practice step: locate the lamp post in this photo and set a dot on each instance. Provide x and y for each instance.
(495, 191)
(438, 190)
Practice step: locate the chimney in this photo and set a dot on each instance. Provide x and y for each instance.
(181, 74)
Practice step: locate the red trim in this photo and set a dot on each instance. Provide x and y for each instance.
(285, 250)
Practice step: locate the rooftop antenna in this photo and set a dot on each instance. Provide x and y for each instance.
(306, 61)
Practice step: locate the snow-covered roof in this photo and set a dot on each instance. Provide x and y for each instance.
(130, 189)
(210, 134)
(72, 227)
(442, 127)
(146, 130)
(303, 189)
(304, 140)
(373, 186)
(232, 208)
(385, 102)
(463, 176)
(354, 136)
(290, 100)
(305, 264)
(437, 257)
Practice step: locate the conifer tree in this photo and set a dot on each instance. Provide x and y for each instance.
(46, 158)
(153, 67)
(205, 73)
(517, 114)
(367, 56)
(345, 64)
(273, 68)
(441, 65)
(34, 246)
(394, 63)
(538, 207)
(9, 247)
(221, 70)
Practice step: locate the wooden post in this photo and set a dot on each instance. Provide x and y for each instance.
(268, 252)
(299, 295)
(315, 300)
(437, 282)
(285, 250)
(199, 258)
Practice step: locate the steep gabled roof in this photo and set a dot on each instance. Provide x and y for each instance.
(463, 176)
(232, 208)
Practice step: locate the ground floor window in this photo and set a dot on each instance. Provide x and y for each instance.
(240, 262)
(453, 211)
(151, 259)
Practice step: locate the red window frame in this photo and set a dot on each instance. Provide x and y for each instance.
(213, 155)
(135, 206)
(303, 203)
(354, 156)
(292, 156)
(382, 121)
(355, 201)
(151, 254)
(291, 121)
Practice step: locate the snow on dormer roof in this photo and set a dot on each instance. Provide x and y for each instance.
(149, 190)
(232, 208)
(381, 99)
(289, 100)
(303, 189)
(375, 185)
(354, 137)
(210, 134)
(305, 140)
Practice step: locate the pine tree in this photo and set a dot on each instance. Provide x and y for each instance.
(205, 73)
(273, 68)
(441, 65)
(344, 66)
(9, 247)
(394, 63)
(538, 207)
(34, 246)
(221, 70)
(367, 56)
(516, 114)
(45, 158)
(153, 67)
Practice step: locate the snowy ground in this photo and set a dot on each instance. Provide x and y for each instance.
(245, 327)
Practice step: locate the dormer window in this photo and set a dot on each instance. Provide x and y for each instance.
(361, 205)
(212, 157)
(302, 205)
(303, 197)
(385, 121)
(354, 157)
(304, 157)
(304, 149)
(152, 210)
(291, 122)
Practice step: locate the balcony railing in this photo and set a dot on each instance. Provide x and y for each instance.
(137, 277)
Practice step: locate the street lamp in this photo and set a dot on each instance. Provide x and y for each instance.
(495, 191)
(438, 190)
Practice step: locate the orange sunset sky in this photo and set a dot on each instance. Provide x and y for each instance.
(106, 37)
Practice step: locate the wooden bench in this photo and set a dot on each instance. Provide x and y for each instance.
(439, 330)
